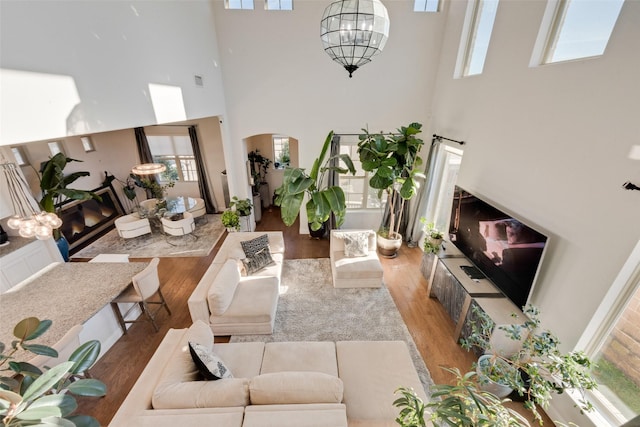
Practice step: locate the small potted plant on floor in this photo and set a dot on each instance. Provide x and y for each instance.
(543, 369)
(243, 209)
(231, 220)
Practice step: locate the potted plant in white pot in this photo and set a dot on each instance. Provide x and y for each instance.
(323, 200)
(231, 220)
(243, 208)
(433, 237)
(542, 368)
(392, 161)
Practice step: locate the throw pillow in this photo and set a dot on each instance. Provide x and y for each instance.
(293, 387)
(251, 247)
(258, 261)
(356, 244)
(208, 363)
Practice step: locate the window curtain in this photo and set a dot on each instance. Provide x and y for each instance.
(143, 146)
(419, 204)
(333, 178)
(203, 181)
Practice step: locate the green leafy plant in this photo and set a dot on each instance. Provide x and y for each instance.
(433, 238)
(461, 404)
(55, 185)
(392, 161)
(153, 187)
(243, 207)
(259, 169)
(30, 396)
(322, 199)
(231, 220)
(544, 369)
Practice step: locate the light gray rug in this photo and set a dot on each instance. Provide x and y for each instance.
(156, 245)
(311, 309)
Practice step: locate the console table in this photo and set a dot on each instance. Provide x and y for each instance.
(458, 293)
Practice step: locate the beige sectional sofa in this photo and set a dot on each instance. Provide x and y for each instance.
(233, 304)
(301, 384)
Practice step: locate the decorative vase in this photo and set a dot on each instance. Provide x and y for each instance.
(63, 247)
(389, 247)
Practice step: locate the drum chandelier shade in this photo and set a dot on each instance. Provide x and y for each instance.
(353, 31)
(148, 169)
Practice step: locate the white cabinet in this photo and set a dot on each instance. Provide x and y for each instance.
(29, 258)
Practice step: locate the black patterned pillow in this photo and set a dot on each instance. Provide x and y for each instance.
(258, 261)
(208, 363)
(253, 246)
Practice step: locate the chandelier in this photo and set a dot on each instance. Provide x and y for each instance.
(28, 219)
(148, 169)
(353, 31)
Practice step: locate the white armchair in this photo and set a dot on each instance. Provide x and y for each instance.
(180, 227)
(129, 226)
(199, 210)
(361, 269)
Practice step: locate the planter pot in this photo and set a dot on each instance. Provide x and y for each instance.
(388, 247)
(435, 242)
(257, 207)
(265, 195)
(63, 247)
(245, 223)
(319, 233)
(487, 384)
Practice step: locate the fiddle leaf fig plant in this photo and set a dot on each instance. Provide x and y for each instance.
(30, 395)
(392, 161)
(322, 198)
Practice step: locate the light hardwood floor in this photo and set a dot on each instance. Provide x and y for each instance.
(426, 319)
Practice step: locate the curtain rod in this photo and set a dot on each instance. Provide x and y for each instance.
(440, 137)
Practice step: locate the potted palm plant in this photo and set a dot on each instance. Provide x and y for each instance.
(392, 161)
(323, 200)
(433, 237)
(541, 368)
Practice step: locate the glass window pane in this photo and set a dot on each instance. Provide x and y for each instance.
(425, 5)
(279, 4)
(618, 363)
(480, 37)
(54, 147)
(583, 29)
(19, 155)
(281, 152)
(239, 4)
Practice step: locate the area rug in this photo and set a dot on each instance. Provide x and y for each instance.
(156, 244)
(311, 309)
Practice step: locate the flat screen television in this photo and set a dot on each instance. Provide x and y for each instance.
(504, 249)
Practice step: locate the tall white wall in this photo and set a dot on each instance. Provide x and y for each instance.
(551, 144)
(278, 79)
(72, 67)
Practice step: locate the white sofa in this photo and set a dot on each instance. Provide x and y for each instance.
(233, 304)
(354, 272)
(301, 384)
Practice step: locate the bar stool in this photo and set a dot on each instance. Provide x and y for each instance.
(144, 286)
